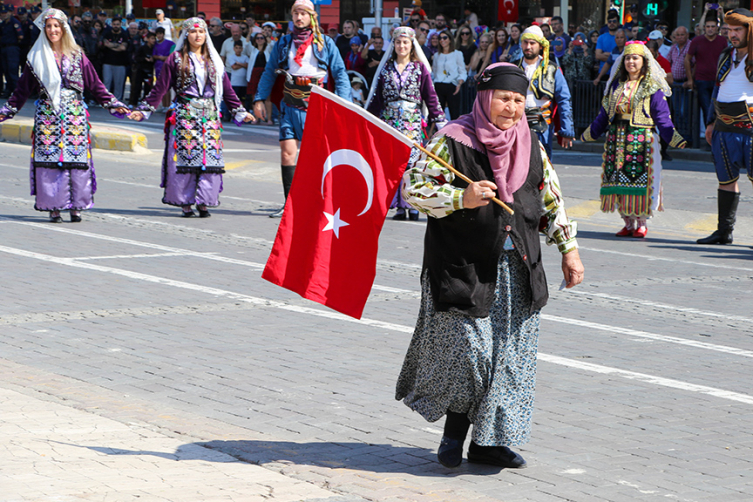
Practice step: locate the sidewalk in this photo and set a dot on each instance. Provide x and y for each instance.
(56, 452)
(19, 130)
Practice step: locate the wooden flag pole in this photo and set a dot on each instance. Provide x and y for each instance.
(461, 175)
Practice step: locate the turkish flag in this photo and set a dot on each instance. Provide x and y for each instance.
(507, 11)
(349, 167)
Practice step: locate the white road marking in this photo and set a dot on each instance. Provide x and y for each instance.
(663, 306)
(580, 365)
(125, 256)
(659, 258)
(642, 377)
(651, 336)
(260, 266)
(119, 240)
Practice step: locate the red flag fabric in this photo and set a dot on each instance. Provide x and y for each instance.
(349, 167)
(507, 11)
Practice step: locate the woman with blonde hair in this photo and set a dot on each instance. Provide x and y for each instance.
(62, 168)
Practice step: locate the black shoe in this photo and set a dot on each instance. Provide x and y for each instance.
(450, 453)
(400, 215)
(188, 214)
(501, 456)
(718, 237)
(413, 215)
(278, 213)
(75, 218)
(203, 213)
(56, 219)
(727, 208)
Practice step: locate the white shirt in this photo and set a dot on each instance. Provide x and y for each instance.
(310, 66)
(531, 100)
(167, 25)
(736, 87)
(238, 77)
(449, 68)
(200, 71)
(227, 49)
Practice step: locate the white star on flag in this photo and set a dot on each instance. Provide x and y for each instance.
(334, 223)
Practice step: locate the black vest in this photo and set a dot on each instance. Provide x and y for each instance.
(462, 250)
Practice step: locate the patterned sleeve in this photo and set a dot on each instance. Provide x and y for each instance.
(555, 224)
(427, 185)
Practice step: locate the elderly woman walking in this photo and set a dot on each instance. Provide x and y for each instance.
(62, 169)
(473, 352)
(634, 108)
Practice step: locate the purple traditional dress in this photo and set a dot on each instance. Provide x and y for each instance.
(399, 98)
(193, 163)
(62, 171)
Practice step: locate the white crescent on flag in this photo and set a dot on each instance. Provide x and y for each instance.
(353, 159)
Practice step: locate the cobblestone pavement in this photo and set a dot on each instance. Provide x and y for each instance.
(142, 356)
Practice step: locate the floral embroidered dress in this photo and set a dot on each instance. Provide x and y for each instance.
(634, 115)
(399, 99)
(193, 163)
(62, 170)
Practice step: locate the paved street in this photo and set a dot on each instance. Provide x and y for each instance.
(143, 357)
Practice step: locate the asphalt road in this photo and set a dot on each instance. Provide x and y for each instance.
(141, 316)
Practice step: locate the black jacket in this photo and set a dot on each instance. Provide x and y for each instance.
(462, 250)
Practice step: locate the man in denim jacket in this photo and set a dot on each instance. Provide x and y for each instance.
(307, 56)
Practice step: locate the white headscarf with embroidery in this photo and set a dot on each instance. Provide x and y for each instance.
(402, 31)
(42, 58)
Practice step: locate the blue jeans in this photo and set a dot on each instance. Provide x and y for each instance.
(705, 89)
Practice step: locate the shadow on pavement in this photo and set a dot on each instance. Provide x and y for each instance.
(379, 458)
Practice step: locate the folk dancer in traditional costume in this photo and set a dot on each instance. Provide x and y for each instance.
(193, 163)
(632, 170)
(547, 84)
(305, 55)
(730, 128)
(474, 350)
(62, 168)
(401, 90)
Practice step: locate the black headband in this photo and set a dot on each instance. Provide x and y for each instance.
(506, 78)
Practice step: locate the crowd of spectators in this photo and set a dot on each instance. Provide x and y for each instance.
(459, 50)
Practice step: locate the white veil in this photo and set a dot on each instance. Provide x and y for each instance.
(219, 66)
(42, 58)
(402, 31)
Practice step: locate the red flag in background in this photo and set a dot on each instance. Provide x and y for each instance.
(507, 11)
(348, 170)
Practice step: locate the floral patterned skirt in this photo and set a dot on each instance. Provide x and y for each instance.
(631, 178)
(484, 367)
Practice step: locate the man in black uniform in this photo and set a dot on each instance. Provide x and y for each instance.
(11, 38)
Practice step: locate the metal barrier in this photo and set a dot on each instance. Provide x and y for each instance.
(683, 104)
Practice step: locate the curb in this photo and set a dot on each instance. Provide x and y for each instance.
(694, 154)
(104, 138)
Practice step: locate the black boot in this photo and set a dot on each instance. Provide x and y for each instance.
(450, 453)
(727, 202)
(287, 180)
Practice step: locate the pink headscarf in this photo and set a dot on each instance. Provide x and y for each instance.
(509, 151)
